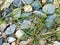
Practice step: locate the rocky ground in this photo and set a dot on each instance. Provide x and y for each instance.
(29, 22)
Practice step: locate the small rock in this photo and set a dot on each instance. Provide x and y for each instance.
(28, 2)
(27, 8)
(44, 1)
(40, 14)
(10, 30)
(56, 3)
(49, 22)
(49, 8)
(11, 39)
(58, 28)
(3, 26)
(27, 14)
(5, 44)
(23, 43)
(43, 42)
(19, 34)
(26, 24)
(26, 42)
(17, 3)
(56, 43)
(7, 11)
(36, 5)
(13, 43)
(1, 40)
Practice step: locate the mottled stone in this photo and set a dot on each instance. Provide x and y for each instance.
(10, 30)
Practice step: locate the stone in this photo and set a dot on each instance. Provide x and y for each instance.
(27, 8)
(56, 43)
(49, 9)
(1, 40)
(13, 43)
(44, 1)
(17, 3)
(28, 2)
(49, 22)
(19, 34)
(3, 26)
(36, 5)
(58, 28)
(40, 14)
(26, 24)
(56, 3)
(11, 39)
(10, 30)
(23, 15)
(5, 44)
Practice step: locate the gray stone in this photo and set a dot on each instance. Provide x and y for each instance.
(49, 8)
(10, 30)
(26, 24)
(50, 20)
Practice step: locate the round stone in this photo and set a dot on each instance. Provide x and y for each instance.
(49, 9)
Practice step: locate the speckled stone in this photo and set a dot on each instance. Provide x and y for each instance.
(10, 30)
(49, 9)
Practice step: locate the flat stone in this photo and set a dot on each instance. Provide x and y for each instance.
(10, 30)
(11, 39)
(5, 44)
(49, 9)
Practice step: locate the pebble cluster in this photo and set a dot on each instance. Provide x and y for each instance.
(30, 22)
